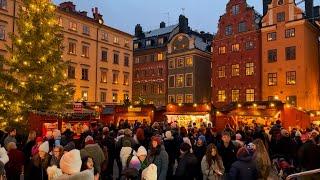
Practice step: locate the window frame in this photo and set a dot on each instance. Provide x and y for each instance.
(272, 55)
(272, 36)
(85, 74)
(290, 77)
(222, 72)
(235, 70)
(291, 53)
(221, 96)
(186, 98)
(233, 95)
(289, 33)
(182, 83)
(2, 32)
(272, 79)
(174, 81)
(249, 69)
(250, 96)
(186, 84)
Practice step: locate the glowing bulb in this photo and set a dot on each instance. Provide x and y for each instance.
(55, 88)
(272, 105)
(180, 104)
(276, 97)
(255, 105)
(25, 63)
(239, 105)
(19, 41)
(195, 105)
(300, 108)
(311, 115)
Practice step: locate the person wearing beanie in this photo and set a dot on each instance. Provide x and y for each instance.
(172, 150)
(40, 162)
(199, 150)
(159, 157)
(93, 150)
(44, 147)
(57, 137)
(16, 161)
(142, 156)
(244, 167)
(187, 166)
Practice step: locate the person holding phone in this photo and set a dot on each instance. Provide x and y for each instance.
(212, 165)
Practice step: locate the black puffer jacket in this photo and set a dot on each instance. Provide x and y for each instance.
(187, 167)
(243, 169)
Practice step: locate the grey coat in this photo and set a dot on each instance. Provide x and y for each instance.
(209, 172)
(83, 175)
(94, 151)
(161, 160)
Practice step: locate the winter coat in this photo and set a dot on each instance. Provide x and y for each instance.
(161, 160)
(55, 161)
(309, 156)
(9, 139)
(124, 155)
(187, 167)
(14, 166)
(243, 169)
(170, 147)
(39, 167)
(83, 175)
(209, 172)
(27, 150)
(94, 151)
(228, 155)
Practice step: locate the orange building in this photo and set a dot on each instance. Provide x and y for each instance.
(290, 55)
(101, 56)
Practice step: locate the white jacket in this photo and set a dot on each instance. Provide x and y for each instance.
(4, 158)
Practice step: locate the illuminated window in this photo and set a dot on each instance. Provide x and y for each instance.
(126, 43)
(221, 71)
(249, 45)
(250, 95)
(2, 32)
(235, 47)
(249, 69)
(180, 62)
(188, 98)
(222, 50)
(85, 51)
(84, 95)
(180, 80)
(104, 76)
(115, 77)
(60, 21)
(148, 43)
(85, 74)
(189, 61)
(160, 41)
(116, 40)
(126, 79)
(86, 30)
(72, 48)
(222, 96)
(272, 79)
(171, 98)
(171, 64)
(160, 88)
(104, 36)
(290, 33)
(179, 98)
(114, 97)
(235, 70)
(171, 81)
(291, 53)
(73, 26)
(160, 56)
(103, 96)
(235, 94)
(272, 36)
(291, 77)
(189, 80)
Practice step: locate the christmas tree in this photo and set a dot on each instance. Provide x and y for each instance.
(34, 76)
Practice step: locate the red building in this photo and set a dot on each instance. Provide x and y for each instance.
(236, 66)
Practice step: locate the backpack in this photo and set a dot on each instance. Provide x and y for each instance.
(130, 173)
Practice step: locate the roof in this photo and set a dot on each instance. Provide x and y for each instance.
(160, 31)
(200, 44)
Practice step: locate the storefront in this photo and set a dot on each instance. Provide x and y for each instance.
(187, 114)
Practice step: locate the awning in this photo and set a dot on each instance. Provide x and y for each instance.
(186, 113)
(256, 113)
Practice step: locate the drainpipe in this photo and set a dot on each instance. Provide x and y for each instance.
(97, 57)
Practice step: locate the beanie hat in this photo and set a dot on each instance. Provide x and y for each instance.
(238, 136)
(135, 163)
(70, 162)
(44, 147)
(157, 139)
(203, 139)
(168, 135)
(142, 151)
(89, 140)
(298, 133)
(185, 147)
(105, 129)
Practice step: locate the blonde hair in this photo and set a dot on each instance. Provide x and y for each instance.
(262, 159)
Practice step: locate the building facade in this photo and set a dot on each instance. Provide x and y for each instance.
(290, 55)
(236, 64)
(101, 56)
(189, 66)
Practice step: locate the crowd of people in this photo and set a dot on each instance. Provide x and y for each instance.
(161, 151)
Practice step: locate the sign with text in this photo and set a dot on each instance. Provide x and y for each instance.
(77, 107)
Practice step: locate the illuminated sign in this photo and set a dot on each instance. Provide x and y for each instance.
(136, 109)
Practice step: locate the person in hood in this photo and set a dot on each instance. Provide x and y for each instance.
(159, 157)
(93, 150)
(244, 168)
(187, 166)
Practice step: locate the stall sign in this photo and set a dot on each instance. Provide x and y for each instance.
(258, 107)
(136, 109)
(77, 107)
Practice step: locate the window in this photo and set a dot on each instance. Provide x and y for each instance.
(228, 30)
(235, 47)
(249, 45)
(291, 77)
(85, 51)
(272, 36)
(221, 71)
(235, 70)
(160, 41)
(189, 80)
(222, 96)
(104, 76)
(86, 30)
(272, 55)
(144, 88)
(272, 79)
(116, 40)
(180, 62)
(2, 32)
(115, 58)
(84, 74)
(292, 100)
(114, 97)
(71, 72)
(137, 60)
(179, 98)
(160, 88)
(291, 53)
(188, 98)
(281, 17)
(189, 61)
(180, 80)
(235, 9)
(73, 26)
(249, 69)
(126, 79)
(126, 61)
(84, 95)
(235, 94)
(104, 55)
(103, 96)
(160, 56)
(126, 43)
(280, 2)
(115, 77)
(222, 50)
(171, 64)
(60, 21)
(290, 33)
(136, 45)
(242, 27)
(3, 4)
(148, 43)
(171, 81)
(249, 95)
(72, 48)
(104, 36)
(171, 98)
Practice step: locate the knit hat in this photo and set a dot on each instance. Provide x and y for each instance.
(44, 147)
(150, 173)
(157, 139)
(70, 162)
(142, 151)
(53, 172)
(70, 146)
(203, 139)
(89, 140)
(185, 147)
(168, 135)
(105, 129)
(135, 163)
(298, 133)
(238, 136)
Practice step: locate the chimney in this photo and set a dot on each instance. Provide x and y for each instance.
(265, 6)
(316, 12)
(67, 6)
(96, 15)
(162, 24)
(183, 24)
(309, 9)
(138, 31)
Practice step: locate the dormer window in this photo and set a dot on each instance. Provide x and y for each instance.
(136, 45)
(235, 9)
(280, 2)
(160, 41)
(148, 43)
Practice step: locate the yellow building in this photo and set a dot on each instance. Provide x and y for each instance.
(290, 55)
(101, 56)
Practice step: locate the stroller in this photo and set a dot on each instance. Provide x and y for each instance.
(283, 166)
